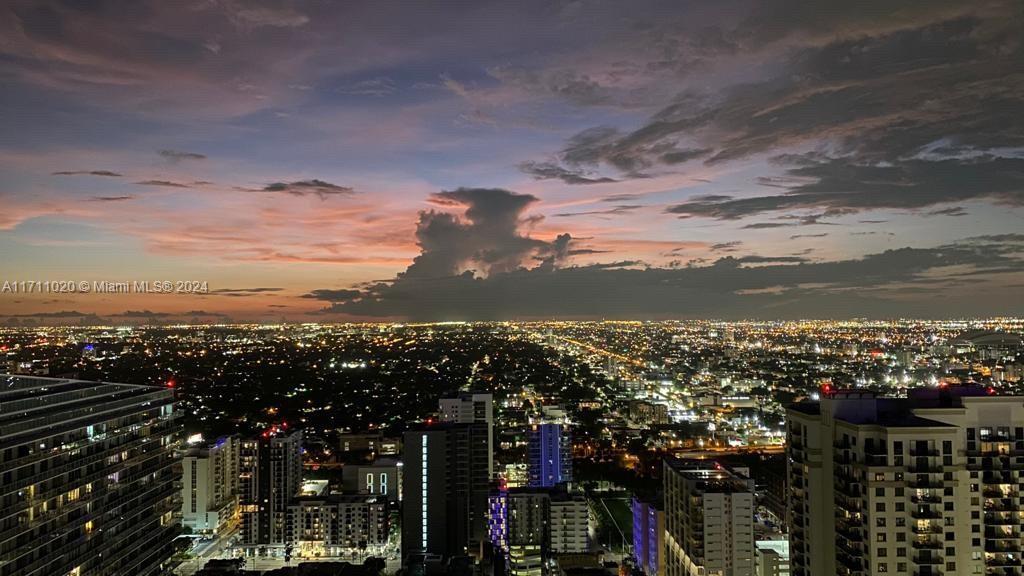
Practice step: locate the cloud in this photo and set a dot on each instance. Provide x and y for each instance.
(617, 210)
(141, 314)
(110, 198)
(243, 292)
(335, 295)
(56, 314)
(316, 187)
(766, 225)
(842, 186)
(901, 116)
(486, 238)
(755, 259)
(876, 285)
(726, 246)
(952, 211)
(178, 155)
(380, 86)
(163, 183)
(88, 173)
(250, 15)
(551, 171)
(821, 235)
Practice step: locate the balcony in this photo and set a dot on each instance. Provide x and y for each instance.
(1002, 546)
(927, 498)
(929, 529)
(925, 513)
(927, 544)
(927, 559)
(914, 452)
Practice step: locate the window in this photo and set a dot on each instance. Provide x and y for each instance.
(879, 506)
(901, 551)
(880, 537)
(883, 552)
(880, 522)
(880, 492)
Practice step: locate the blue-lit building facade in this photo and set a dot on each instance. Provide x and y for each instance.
(550, 447)
(648, 527)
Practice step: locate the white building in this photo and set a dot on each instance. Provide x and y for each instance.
(929, 484)
(209, 487)
(709, 520)
(570, 524)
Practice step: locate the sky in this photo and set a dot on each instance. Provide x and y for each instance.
(318, 161)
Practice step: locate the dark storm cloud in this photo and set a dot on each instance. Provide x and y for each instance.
(328, 295)
(843, 185)
(908, 108)
(178, 155)
(629, 153)
(88, 173)
(316, 187)
(731, 287)
(551, 171)
(486, 238)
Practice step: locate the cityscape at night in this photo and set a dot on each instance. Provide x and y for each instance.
(520, 288)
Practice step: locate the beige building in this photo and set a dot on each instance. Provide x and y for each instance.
(209, 486)
(709, 520)
(919, 486)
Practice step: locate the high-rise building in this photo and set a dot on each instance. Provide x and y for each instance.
(918, 486)
(529, 526)
(648, 536)
(709, 520)
(550, 450)
(570, 523)
(518, 526)
(445, 484)
(87, 479)
(209, 486)
(472, 408)
(336, 524)
(270, 475)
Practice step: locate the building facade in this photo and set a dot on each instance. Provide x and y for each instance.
(335, 525)
(381, 478)
(270, 476)
(648, 537)
(925, 485)
(529, 527)
(709, 520)
(472, 408)
(550, 451)
(445, 485)
(209, 486)
(87, 479)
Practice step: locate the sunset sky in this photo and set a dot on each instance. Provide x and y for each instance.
(329, 161)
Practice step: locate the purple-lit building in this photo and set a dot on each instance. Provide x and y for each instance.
(550, 455)
(648, 526)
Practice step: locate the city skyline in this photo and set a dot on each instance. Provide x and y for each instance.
(312, 162)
